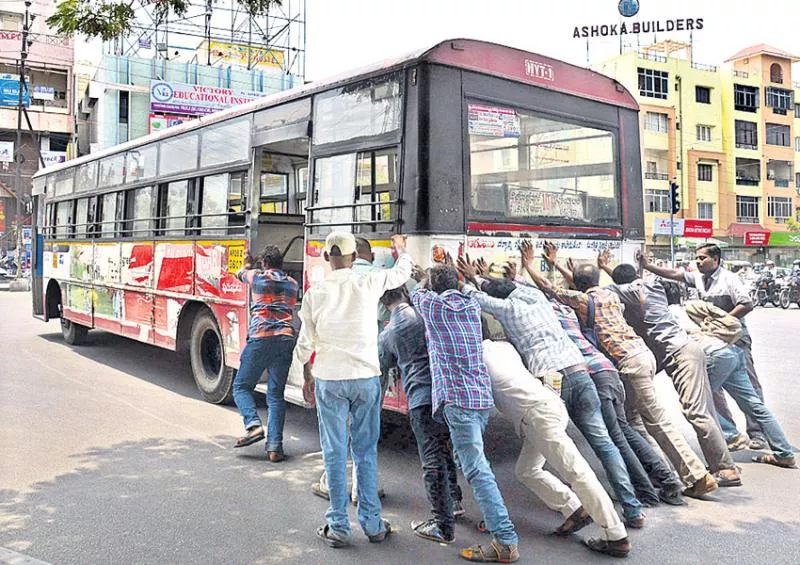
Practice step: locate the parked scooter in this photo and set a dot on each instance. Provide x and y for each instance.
(766, 290)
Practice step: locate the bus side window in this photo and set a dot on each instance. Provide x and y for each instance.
(81, 218)
(139, 213)
(222, 204)
(62, 219)
(91, 226)
(172, 208)
(274, 193)
(301, 191)
(107, 215)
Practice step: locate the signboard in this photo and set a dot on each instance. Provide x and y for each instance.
(493, 121)
(9, 91)
(195, 99)
(53, 157)
(26, 236)
(244, 56)
(160, 123)
(698, 228)
(6, 151)
(12, 35)
(756, 238)
(772, 239)
(661, 226)
(523, 202)
(44, 93)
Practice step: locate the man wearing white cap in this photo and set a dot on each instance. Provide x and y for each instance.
(338, 323)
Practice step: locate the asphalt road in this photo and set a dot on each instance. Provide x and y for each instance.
(107, 455)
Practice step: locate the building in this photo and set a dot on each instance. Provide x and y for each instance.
(48, 100)
(728, 136)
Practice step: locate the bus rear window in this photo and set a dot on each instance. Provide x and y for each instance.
(528, 168)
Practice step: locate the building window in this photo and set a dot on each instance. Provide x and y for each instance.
(797, 143)
(705, 172)
(58, 141)
(779, 208)
(776, 73)
(654, 84)
(655, 121)
(10, 22)
(797, 180)
(778, 135)
(797, 110)
(656, 200)
(748, 171)
(705, 210)
(745, 98)
(746, 135)
(702, 94)
(124, 98)
(747, 209)
(703, 133)
(779, 98)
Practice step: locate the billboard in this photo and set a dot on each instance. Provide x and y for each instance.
(195, 99)
(772, 239)
(683, 228)
(9, 91)
(160, 123)
(6, 151)
(240, 55)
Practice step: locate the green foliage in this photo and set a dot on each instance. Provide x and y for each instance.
(793, 224)
(108, 19)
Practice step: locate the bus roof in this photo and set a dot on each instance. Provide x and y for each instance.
(469, 54)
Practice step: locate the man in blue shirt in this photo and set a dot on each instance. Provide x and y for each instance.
(402, 343)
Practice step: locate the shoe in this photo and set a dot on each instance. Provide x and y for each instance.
(636, 523)
(772, 459)
(616, 548)
(275, 456)
(728, 478)
(316, 488)
(739, 443)
(576, 521)
(758, 444)
(379, 537)
(671, 497)
(702, 487)
(430, 530)
(649, 500)
(326, 534)
(458, 509)
(496, 552)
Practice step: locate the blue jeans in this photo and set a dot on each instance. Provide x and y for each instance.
(583, 405)
(360, 399)
(466, 432)
(727, 369)
(273, 354)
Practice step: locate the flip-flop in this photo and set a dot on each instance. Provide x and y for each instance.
(771, 459)
(244, 441)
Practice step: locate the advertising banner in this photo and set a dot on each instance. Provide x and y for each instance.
(6, 151)
(53, 157)
(784, 239)
(756, 238)
(160, 123)
(44, 93)
(195, 99)
(661, 227)
(9, 91)
(698, 228)
(493, 121)
(244, 56)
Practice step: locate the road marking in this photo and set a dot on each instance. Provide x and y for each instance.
(8, 557)
(121, 401)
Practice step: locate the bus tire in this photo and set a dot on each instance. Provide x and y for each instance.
(213, 378)
(74, 334)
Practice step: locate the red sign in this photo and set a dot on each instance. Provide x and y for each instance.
(15, 35)
(697, 228)
(756, 238)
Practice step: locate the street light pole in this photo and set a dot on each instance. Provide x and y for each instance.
(23, 55)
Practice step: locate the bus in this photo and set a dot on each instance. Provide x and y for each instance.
(465, 147)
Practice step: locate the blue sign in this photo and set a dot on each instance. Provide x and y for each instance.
(9, 91)
(628, 8)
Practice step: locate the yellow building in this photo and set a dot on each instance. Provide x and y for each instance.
(729, 137)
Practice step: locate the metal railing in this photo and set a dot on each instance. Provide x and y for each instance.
(746, 146)
(656, 176)
(746, 220)
(157, 227)
(651, 56)
(741, 74)
(781, 183)
(747, 182)
(704, 67)
(393, 221)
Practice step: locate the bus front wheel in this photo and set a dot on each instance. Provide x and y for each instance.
(207, 355)
(74, 334)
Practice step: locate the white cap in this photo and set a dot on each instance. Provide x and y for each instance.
(345, 241)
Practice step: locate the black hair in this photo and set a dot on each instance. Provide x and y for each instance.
(673, 291)
(272, 258)
(443, 277)
(363, 247)
(394, 295)
(624, 274)
(585, 277)
(499, 288)
(713, 250)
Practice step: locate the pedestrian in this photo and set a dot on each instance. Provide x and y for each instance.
(338, 324)
(532, 327)
(634, 361)
(716, 284)
(683, 359)
(540, 420)
(462, 394)
(270, 342)
(403, 343)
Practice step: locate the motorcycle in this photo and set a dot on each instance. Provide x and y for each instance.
(790, 292)
(766, 290)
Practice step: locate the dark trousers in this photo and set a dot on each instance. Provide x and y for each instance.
(438, 467)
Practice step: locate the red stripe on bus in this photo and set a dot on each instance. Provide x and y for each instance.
(480, 226)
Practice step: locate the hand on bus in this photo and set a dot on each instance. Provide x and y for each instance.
(467, 270)
(603, 259)
(399, 243)
(550, 252)
(510, 271)
(418, 273)
(526, 252)
(642, 259)
(570, 265)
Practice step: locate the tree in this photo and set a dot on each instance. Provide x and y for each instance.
(793, 224)
(108, 19)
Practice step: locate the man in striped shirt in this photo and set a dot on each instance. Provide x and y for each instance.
(461, 392)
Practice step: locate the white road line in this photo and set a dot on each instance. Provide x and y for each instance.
(8, 557)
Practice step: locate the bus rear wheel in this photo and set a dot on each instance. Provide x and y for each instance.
(74, 334)
(207, 355)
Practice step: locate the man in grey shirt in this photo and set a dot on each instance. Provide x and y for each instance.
(725, 290)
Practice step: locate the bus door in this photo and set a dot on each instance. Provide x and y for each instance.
(37, 248)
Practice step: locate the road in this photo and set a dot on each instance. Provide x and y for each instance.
(107, 455)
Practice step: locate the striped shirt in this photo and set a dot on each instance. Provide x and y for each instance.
(595, 361)
(453, 328)
(614, 334)
(273, 297)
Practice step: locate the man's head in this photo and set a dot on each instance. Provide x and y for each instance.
(624, 274)
(391, 299)
(585, 277)
(708, 257)
(443, 277)
(673, 291)
(272, 258)
(499, 288)
(364, 249)
(340, 249)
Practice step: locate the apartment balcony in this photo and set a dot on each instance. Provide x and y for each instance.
(656, 176)
(741, 74)
(782, 183)
(747, 146)
(703, 67)
(746, 220)
(747, 182)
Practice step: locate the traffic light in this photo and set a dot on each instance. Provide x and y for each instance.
(674, 197)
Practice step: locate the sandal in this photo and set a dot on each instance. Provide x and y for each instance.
(576, 521)
(481, 527)
(772, 459)
(494, 553)
(328, 536)
(254, 434)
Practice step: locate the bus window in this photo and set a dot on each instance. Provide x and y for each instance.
(173, 207)
(527, 167)
(112, 171)
(214, 209)
(226, 143)
(63, 182)
(108, 214)
(63, 219)
(91, 226)
(86, 177)
(140, 163)
(81, 217)
(139, 212)
(302, 189)
(274, 193)
(333, 186)
(178, 154)
(237, 202)
(379, 188)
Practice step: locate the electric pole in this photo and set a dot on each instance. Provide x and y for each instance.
(18, 158)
